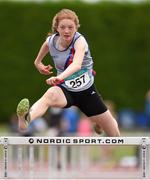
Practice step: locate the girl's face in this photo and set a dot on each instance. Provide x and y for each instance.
(66, 29)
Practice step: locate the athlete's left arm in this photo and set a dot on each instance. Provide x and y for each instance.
(80, 48)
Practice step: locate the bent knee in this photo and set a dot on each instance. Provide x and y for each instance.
(53, 96)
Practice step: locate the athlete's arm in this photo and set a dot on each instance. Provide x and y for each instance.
(80, 48)
(38, 61)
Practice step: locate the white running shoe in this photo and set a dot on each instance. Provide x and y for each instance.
(23, 114)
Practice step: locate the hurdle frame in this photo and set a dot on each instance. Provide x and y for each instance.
(143, 142)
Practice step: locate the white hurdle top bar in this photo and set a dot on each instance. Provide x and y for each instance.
(74, 140)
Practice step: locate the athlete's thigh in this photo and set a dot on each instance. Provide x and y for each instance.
(107, 122)
(56, 97)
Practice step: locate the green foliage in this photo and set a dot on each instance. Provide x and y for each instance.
(119, 39)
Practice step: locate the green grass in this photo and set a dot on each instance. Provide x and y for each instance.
(121, 151)
(3, 129)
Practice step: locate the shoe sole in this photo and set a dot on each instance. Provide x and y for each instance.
(23, 107)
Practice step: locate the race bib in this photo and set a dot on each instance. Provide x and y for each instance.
(78, 80)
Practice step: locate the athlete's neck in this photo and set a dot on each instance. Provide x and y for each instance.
(62, 44)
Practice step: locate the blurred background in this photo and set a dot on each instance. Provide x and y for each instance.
(119, 39)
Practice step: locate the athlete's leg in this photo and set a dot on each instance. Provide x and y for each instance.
(97, 128)
(107, 123)
(54, 97)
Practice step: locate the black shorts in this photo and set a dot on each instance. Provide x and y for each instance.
(88, 101)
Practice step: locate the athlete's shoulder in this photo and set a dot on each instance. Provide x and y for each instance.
(80, 39)
(50, 38)
(77, 35)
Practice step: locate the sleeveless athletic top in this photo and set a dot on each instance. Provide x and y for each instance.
(80, 80)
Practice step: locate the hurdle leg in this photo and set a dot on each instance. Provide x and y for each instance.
(31, 161)
(41, 156)
(52, 160)
(81, 159)
(148, 158)
(84, 160)
(73, 158)
(20, 161)
(5, 151)
(144, 157)
(63, 159)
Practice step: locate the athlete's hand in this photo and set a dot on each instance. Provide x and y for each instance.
(53, 81)
(46, 70)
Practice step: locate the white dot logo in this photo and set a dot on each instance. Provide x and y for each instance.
(31, 140)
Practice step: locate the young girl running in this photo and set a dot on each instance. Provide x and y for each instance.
(74, 82)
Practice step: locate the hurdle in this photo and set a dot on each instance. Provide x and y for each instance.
(7, 142)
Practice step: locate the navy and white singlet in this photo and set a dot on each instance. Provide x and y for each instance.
(81, 80)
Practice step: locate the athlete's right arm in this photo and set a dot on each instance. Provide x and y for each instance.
(38, 61)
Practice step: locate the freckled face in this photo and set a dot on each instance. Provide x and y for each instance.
(66, 29)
